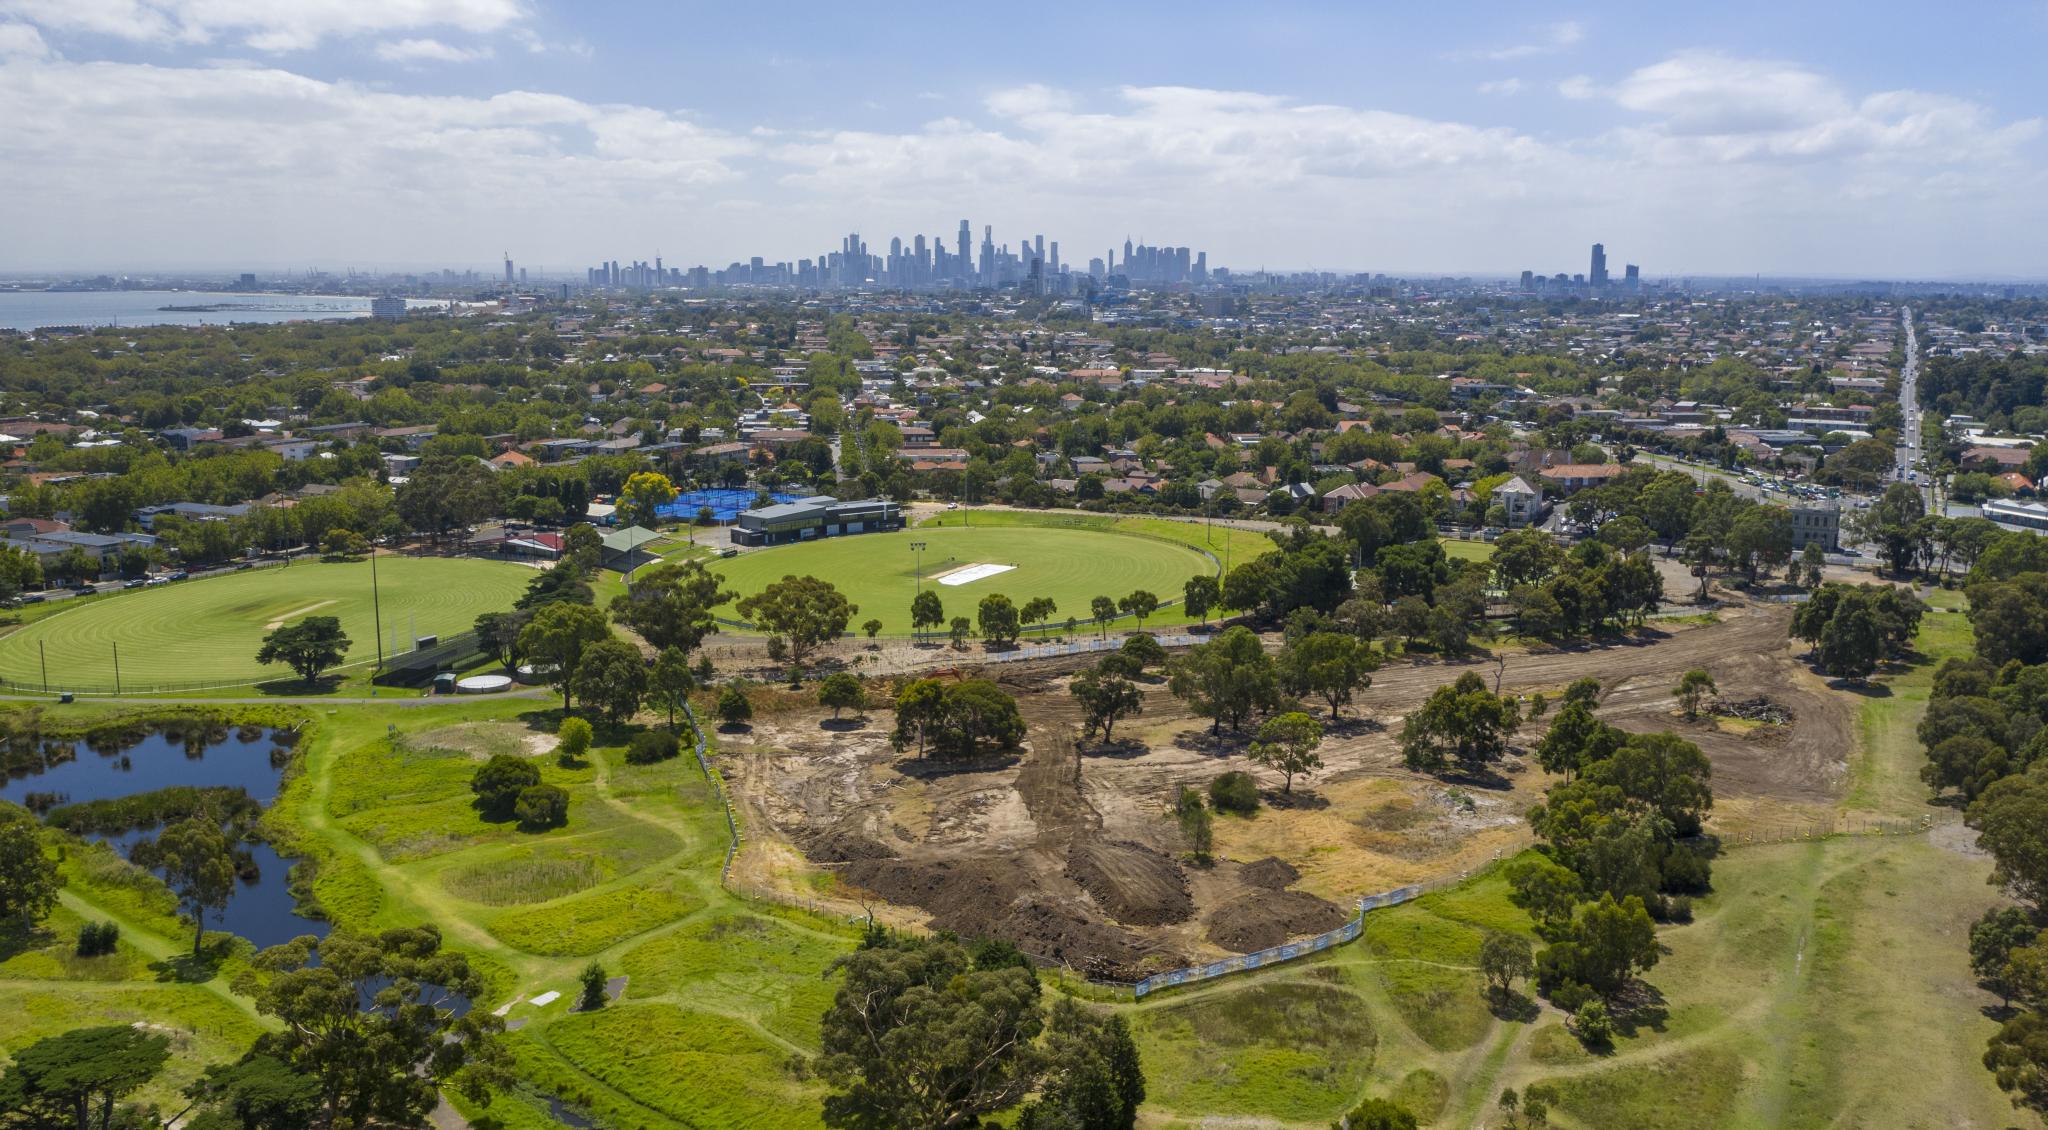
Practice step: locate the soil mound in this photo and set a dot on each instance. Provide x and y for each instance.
(1271, 872)
(1269, 918)
(845, 845)
(998, 899)
(1136, 885)
(944, 888)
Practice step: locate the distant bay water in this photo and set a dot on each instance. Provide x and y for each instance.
(33, 309)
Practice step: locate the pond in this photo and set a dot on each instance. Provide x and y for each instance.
(250, 758)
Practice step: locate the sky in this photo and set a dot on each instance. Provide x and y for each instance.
(1869, 140)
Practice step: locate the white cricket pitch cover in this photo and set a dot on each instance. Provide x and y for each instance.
(971, 573)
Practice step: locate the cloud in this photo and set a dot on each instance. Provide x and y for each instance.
(266, 25)
(214, 164)
(21, 41)
(1501, 86)
(1551, 40)
(428, 51)
(1155, 144)
(262, 157)
(1721, 109)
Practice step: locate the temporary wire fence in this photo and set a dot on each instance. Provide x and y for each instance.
(732, 825)
(1845, 824)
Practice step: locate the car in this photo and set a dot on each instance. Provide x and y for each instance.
(180, 575)
(159, 579)
(85, 590)
(730, 553)
(134, 582)
(952, 506)
(34, 598)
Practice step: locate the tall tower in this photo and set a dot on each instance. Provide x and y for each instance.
(508, 268)
(1597, 276)
(966, 250)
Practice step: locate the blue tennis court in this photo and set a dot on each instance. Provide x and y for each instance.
(725, 505)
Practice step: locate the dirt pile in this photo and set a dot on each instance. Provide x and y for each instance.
(841, 844)
(1265, 918)
(1136, 885)
(1758, 709)
(1271, 873)
(998, 898)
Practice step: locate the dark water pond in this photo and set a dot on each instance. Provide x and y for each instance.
(249, 758)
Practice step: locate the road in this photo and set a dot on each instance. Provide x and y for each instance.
(1908, 451)
(1741, 486)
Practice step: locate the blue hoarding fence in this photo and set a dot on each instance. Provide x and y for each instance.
(1277, 954)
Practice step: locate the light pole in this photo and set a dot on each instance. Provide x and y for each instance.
(376, 606)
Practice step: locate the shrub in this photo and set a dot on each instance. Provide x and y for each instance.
(593, 979)
(498, 784)
(1144, 648)
(842, 691)
(97, 939)
(1234, 791)
(1685, 871)
(1570, 996)
(574, 738)
(1379, 1114)
(733, 707)
(1122, 664)
(541, 806)
(650, 746)
(1592, 1024)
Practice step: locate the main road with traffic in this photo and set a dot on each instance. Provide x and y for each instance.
(1908, 450)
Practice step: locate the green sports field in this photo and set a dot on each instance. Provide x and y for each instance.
(878, 572)
(208, 630)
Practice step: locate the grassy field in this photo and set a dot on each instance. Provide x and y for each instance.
(1821, 983)
(878, 572)
(209, 630)
(718, 991)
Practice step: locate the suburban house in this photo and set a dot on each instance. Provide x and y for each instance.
(1572, 478)
(1523, 502)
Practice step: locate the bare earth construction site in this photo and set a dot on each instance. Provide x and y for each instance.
(1071, 852)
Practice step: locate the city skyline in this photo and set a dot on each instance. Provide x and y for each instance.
(918, 265)
(1812, 142)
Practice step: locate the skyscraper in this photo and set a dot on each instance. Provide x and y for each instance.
(508, 268)
(966, 257)
(1597, 276)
